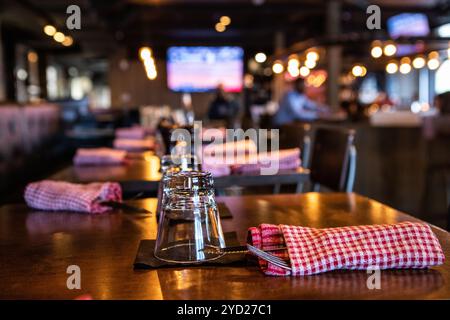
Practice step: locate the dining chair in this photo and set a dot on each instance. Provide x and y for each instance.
(297, 135)
(333, 159)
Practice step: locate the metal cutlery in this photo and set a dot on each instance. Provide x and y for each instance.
(263, 254)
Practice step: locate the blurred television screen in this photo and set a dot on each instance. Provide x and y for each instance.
(408, 25)
(200, 69)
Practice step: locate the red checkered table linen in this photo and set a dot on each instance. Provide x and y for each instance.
(99, 156)
(312, 251)
(59, 195)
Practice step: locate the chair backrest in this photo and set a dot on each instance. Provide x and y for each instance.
(333, 163)
(297, 135)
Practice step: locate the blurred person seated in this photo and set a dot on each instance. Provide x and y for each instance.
(222, 107)
(442, 103)
(295, 105)
(439, 125)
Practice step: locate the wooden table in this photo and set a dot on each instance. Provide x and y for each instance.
(37, 247)
(142, 174)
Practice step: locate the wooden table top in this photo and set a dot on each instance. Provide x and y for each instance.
(37, 247)
(142, 174)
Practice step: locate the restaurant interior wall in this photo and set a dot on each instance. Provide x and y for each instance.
(130, 86)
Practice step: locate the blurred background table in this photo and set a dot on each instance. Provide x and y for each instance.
(142, 175)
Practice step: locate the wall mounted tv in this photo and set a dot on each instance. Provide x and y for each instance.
(202, 69)
(408, 25)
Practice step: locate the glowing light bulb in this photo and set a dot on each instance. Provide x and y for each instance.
(294, 63)
(277, 68)
(312, 55)
(59, 37)
(376, 52)
(433, 55)
(68, 41)
(405, 68)
(418, 62)
(391, 67)
(358, 71)
(220, 27)
(304, 71)
(145, 53)
(260, 57)
(390, 49)
(433, 64)
(49, 30)
(225, 20)
(310, 64)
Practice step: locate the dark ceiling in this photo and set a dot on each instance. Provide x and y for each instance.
(109, 24)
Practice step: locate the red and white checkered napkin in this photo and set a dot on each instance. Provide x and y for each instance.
(135, 132)
(311, 251)
(287, 159)
(59, 195)
(99, 156)
(134, 144)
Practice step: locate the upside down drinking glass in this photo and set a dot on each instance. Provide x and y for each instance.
(189, 228)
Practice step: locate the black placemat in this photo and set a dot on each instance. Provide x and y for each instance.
(145, 258)
(224, 211)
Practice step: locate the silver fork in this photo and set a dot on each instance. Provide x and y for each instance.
(268, 257)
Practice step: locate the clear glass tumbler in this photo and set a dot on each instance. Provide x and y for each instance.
(189, 228)
(171, 164)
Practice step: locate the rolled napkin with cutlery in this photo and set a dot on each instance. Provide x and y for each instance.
(215, 167)
(134, 144)
(135, 133)
(286, 159)
(99, 156)
(310, 251)
(65, 196)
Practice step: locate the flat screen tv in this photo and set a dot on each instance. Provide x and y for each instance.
(408, 25)
(201, 69)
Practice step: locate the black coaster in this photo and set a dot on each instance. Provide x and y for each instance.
(146, 260)
(224, 212)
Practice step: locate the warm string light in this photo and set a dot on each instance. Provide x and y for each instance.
(277, 67)
(312, 56)
(58, 36)
(224, 21)
(418, 62)
(294, 68)
(392, 67)
(145, 54)
(304, 71)
(405, 65)
(433, 60)
(389, 49)
(359, 71)
(376, 50)
(260, 57)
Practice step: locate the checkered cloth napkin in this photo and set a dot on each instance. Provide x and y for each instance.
(99, 156)
(311, 251)
(59, 195)
(134, 144)
(287, 159)
(136, 132)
